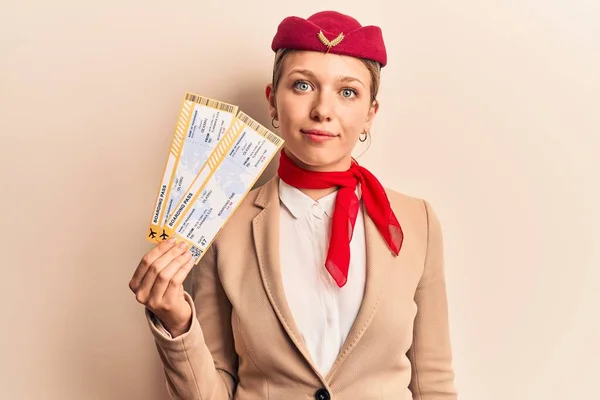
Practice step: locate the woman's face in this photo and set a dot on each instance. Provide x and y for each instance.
(322, 104)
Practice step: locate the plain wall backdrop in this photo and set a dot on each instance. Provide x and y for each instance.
(489, 110)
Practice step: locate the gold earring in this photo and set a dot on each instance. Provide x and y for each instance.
(363, 136)
(273, 123)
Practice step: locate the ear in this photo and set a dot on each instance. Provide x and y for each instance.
(371, 115)
(270, 95)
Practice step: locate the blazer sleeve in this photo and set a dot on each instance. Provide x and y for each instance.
(202, 362)
(430, 353)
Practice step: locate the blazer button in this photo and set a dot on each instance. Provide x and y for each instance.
(322, 394)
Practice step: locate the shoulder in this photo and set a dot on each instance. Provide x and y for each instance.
(403, 201)
(413, 212)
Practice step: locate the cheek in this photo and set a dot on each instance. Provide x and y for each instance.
(352, 120)
(290, 110)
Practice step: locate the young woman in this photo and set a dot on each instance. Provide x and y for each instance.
(323, 284)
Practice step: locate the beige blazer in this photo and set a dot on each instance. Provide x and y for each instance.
(243, 343)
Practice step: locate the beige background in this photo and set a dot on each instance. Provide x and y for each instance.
(490, 110)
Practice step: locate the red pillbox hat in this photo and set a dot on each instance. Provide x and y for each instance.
(331, 32)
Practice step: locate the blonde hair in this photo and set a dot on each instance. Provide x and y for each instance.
(373, 66)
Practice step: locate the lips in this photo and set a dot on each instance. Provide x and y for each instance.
(317, 132)
(317, 136)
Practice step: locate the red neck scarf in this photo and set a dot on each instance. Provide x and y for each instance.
(346, 208)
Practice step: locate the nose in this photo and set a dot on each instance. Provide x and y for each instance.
(322, 109)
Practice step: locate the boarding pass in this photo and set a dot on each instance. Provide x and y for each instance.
(201, 125)
(223, 180)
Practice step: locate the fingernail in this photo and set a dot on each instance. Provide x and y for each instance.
(171, 241)
(182, 245)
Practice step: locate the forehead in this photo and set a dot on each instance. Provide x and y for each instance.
(326, 65)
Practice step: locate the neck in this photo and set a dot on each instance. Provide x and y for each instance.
(317, 194)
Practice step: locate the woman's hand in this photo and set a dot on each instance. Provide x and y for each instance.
(158, 284)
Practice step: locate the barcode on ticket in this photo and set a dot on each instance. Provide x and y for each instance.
(211, 103)
(196, 252)
(276, 140)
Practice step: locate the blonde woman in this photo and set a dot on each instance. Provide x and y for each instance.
(323, 284)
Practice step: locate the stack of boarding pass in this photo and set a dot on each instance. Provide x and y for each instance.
(216, 156)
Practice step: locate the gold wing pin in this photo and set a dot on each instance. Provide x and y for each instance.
(329, 43)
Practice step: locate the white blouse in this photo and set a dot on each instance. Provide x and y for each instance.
(323, 312)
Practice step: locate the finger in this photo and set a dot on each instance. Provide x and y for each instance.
(152, 272)
(175, 287)
(147, 260)
(164, 278)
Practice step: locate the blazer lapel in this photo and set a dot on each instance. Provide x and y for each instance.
(378, 257)
(265, 228)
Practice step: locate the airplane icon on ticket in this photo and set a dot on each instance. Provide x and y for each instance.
(152, 234)
(164, 235)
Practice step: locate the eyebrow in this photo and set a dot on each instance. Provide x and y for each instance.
(310, 74)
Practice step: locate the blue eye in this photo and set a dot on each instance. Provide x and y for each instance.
(302, 86)
(349, 93)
